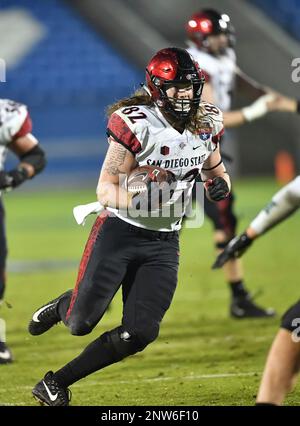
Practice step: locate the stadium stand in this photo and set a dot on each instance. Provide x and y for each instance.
(67, 76)
(285, 12)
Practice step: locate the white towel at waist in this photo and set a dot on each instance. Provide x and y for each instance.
(82, 211)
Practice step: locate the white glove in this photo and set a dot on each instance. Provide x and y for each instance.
(258, 108)
(81, 212)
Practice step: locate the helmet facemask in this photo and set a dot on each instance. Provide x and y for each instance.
(182, 108)
(187, 74)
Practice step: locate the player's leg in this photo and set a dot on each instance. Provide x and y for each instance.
(109, 250)
(148, 288)
(148, 295)
(5, 353)
(225, 222)
(142, 301)
(283, 362)
(101, 270)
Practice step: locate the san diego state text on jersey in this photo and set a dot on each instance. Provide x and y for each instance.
(145, 132)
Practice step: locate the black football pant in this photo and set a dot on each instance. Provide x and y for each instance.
(3, 250)
(145, 263)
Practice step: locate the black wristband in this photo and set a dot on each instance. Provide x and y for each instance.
(298, 106)
(19, 175)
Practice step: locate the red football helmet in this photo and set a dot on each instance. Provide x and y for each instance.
(209, 22)
(167, 68)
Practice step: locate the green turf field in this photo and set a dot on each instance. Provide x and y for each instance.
(202, 357)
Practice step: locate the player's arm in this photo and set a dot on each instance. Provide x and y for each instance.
(32, 161)
(32, 156)
(253, 88)
(118, 163)
(284, 203)
(286, 104)
(217, 181)
(238, 117)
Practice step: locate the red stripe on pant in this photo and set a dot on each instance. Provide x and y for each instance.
(86, 257)
(224, 212)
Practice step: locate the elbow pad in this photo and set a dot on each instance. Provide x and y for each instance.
(36, 158)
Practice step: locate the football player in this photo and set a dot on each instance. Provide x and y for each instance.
(161, 124)
(211, 39)
(283, 362)
(15, 135)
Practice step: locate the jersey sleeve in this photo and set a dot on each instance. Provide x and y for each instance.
(124, 132)
(15, 121)
(25, 128)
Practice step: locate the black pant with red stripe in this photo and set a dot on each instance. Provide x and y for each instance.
(145, 264)
(222, 215)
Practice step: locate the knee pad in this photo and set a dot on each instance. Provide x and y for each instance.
(126, 343)
(147, 334)
(291, 318)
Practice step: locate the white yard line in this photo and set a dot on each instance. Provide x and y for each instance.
(144, 380)
(167, 378)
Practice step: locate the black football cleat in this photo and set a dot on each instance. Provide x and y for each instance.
(244, 307)
(48, 392)
(46, 316)
(5, 354)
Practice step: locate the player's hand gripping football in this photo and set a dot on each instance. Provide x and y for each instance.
(216, 189)
(235, 248)
(152, 187)
(154, 197)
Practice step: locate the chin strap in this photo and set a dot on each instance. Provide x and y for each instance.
(144, 87)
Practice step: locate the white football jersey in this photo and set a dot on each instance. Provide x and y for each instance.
(145, 132)
(220, 72)
(12, 118)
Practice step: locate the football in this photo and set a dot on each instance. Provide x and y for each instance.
(139, 179)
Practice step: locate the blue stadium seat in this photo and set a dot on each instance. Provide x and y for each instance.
(285, 12)
(67, 80)
(71, 58)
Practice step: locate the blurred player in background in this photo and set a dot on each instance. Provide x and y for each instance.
(211, 43)
(15, 135)
(283, 362)
(163, 122)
